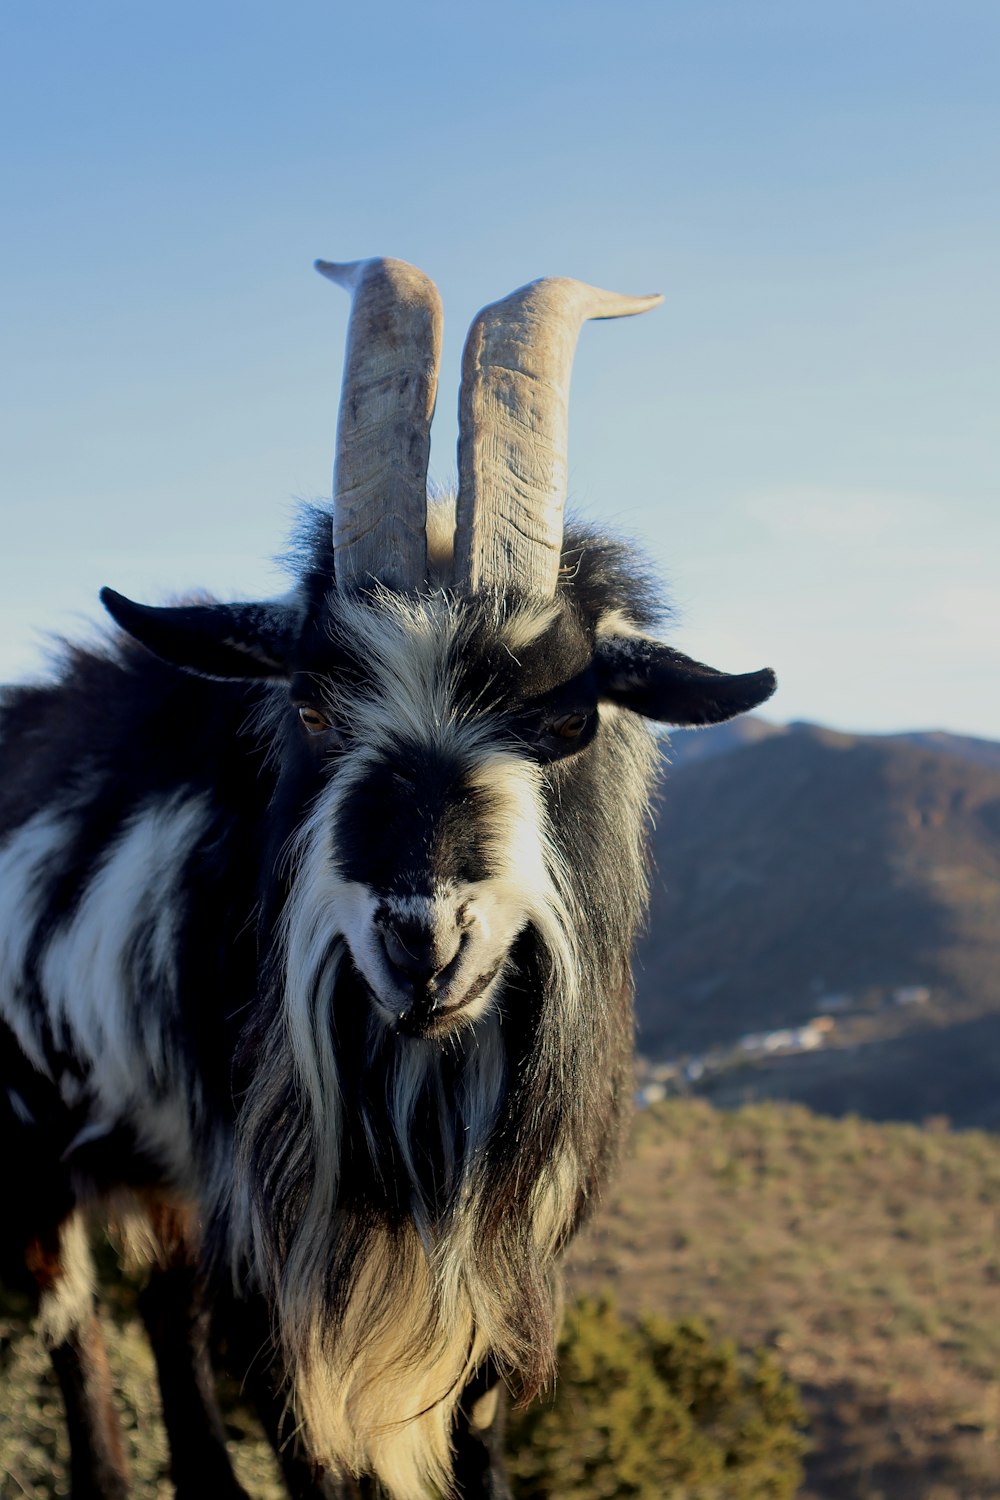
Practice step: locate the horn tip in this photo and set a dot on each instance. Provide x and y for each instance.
(642, 304)
(344, 273)
(620, 305)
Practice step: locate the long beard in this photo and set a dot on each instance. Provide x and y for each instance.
(402, 1202)
(392, 1220)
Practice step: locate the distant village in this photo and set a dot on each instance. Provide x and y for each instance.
(660, 1079)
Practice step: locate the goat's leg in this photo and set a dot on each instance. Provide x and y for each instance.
(174, 1307)
(246, 1327)
(59, 1263)
(478, 1439)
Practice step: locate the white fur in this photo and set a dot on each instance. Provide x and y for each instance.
(121, 1037)
(71, 1090)
(27, 861)
(367, 1401)
(615, 623)
(528, 625)
(69, 1301)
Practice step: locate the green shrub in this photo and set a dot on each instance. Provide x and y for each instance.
(657, 1411)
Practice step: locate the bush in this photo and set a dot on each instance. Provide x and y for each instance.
(657, 1411)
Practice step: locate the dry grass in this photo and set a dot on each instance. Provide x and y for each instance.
(33, 1446)
(868, 1255)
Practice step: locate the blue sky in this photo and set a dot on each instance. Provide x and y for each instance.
(804, 436)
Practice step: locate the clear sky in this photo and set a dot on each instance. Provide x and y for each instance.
(804, 435)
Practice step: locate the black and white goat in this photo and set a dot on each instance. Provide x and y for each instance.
(316, 922)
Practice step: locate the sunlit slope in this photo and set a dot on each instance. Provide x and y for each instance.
(811, 871)
(866, 1255)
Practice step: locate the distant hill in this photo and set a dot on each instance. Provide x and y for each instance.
(688, 746)
(982, 752)
(804, 871)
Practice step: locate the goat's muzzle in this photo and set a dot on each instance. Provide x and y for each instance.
(431, 970)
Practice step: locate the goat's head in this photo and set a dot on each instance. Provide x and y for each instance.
(440, 712)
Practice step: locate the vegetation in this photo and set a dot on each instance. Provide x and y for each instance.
(653, 1409)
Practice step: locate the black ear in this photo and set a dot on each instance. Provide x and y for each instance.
(659, 683)
(214, 640)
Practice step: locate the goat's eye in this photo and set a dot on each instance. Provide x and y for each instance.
(569, 726)
(313, 721)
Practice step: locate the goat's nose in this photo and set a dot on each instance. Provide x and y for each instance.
(418, 954)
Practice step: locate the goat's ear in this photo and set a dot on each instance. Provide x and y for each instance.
(213, 640)
(663, 684)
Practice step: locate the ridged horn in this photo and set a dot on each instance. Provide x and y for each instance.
(383, 429)
(513, 431)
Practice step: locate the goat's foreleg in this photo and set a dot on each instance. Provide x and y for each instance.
(59, 1263)
(250, 1358)
(174, 1307)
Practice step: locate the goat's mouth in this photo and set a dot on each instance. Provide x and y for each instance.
(433, 1012)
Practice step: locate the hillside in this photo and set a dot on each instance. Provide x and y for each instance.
(866, 1255)
(811, 872)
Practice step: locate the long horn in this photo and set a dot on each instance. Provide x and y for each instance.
(513, 431)
(383, 430)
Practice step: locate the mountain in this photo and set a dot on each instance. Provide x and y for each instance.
(688, 746)
(966, 746)
(806, 872)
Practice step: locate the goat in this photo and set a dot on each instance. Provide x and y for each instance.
(316, 925)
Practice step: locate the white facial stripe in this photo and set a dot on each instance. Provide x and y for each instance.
(356, 909)
(516, 822)
(405, 645)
